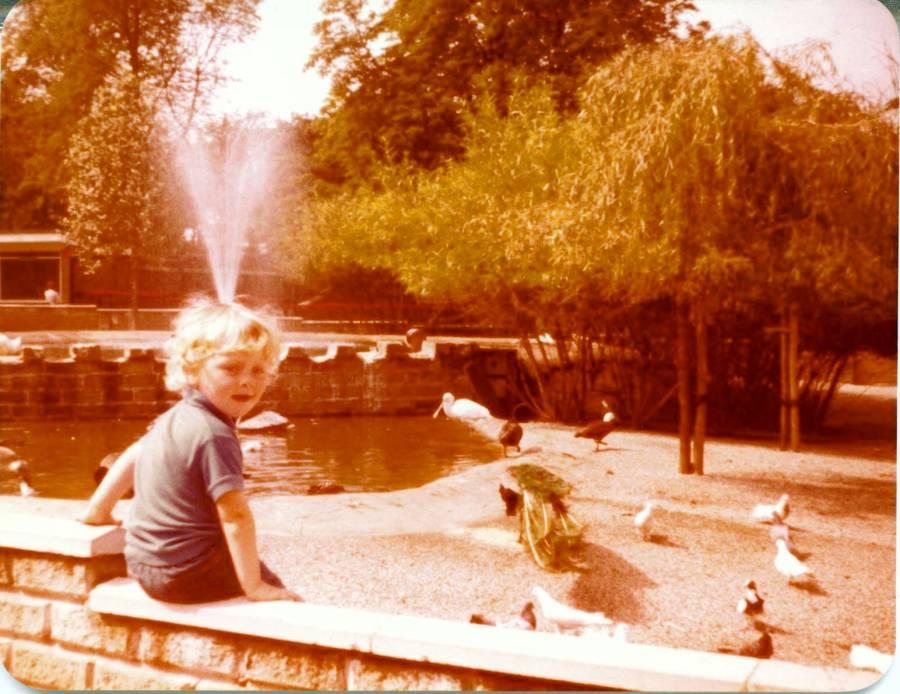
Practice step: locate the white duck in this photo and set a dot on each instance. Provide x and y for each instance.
(643, 520)
(567, 619)
(461, 408)
(787, 564)
(773, 513)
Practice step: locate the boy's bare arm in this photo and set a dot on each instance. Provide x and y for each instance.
(240, 534)
(113, 487)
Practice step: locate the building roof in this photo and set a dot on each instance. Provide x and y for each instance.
(17, 242)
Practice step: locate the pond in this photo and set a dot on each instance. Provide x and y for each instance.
(363, 454)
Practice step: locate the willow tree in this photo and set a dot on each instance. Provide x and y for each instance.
(716, 174)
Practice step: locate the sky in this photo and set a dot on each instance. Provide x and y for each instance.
(268, 73)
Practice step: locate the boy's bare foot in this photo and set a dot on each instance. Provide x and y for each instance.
(266, 591)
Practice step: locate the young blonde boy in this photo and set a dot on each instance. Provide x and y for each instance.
(190, 533)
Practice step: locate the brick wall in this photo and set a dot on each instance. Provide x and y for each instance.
(93, 382)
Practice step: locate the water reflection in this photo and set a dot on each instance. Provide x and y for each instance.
(359, 453)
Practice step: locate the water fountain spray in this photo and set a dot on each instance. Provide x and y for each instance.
(227, 180)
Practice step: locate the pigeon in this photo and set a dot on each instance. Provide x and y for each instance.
(643, 520)
(567, 619)
(787, 564)
(598, 429)
(752, 603)
(21, 468)
(510, 498)
(780, 531)
(461, 408)
(510, 434)
(869, 659)
(527, 620)
(759, 647)
(773, 513)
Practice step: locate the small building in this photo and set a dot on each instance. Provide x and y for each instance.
(30, 261)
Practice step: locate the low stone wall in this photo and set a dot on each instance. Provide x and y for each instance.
(69, 620)
(93, 382)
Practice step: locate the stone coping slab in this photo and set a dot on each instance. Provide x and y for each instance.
(54, 535)
(589, 660)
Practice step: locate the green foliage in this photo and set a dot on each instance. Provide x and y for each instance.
(57, 53)
(405, 79)
(117, 176)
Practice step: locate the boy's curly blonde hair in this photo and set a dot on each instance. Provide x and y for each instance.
(206, 327)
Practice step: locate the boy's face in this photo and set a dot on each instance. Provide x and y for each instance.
(233, 381)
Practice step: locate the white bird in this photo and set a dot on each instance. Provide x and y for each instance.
(643, 520)
(567, 619)
(773, 513)
(781, 531)
(868, 658)
(20, 468)
(787, 564)
(461, 408)
(9, 345)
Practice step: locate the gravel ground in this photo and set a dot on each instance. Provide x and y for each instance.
(447, 549)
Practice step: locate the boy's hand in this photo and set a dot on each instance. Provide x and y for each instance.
(266, 591)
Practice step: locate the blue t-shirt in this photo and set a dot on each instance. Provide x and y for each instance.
(188, 459)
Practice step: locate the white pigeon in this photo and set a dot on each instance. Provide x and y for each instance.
(787, 564)
(773, 513)
(461, 408)
(643, 520)
(567, 619)
(869, 659)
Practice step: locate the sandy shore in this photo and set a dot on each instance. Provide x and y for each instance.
(447, 549)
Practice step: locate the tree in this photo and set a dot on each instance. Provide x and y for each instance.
(117, 181)
(684, 181)
(57, 53)
(403, 80)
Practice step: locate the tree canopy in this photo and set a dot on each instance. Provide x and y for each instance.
(57, 53)
(403, 80)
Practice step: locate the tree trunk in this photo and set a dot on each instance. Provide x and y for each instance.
(702, 380)
(683, 367)
(793, 385)
(784, 388)
(133, 272)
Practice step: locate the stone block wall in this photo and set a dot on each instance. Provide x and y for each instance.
(93, 382)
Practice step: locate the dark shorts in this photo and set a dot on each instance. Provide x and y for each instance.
(212, 579)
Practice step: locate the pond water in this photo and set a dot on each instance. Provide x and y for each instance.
(370, 454)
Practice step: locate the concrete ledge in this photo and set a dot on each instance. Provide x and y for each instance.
(593, 661)
(62, 536)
